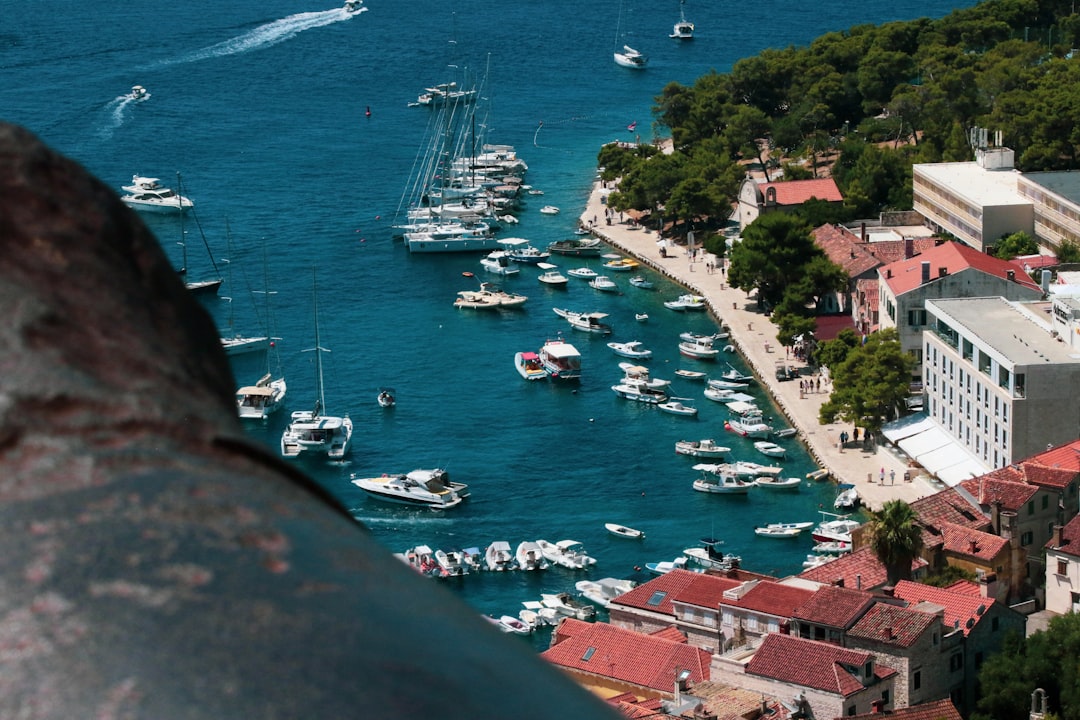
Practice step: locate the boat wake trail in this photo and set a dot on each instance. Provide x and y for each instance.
(116, 111)
(266, 35)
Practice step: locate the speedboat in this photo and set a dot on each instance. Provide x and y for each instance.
(665, 566)
(513, 625)
(720, 480)
(633, 349)
(452, 562)
(386, 398)
(690, 374)
(604, 590)
(624, 532)
(149, 195)
(813, 561)
(489, 296)
(529, 556)
(138, 93)
(621, 264)
(422, 559)
(734, 375)
(696, 338)
(777, 532)
(641, 283)
(586, 322)
(561, 360)
(566, 604)
(832, 547)
(722, 395)
(261, 399)
(792, 525)
(549, 210)
(676, 407)
(521, 251)
(751, 426)
(747, 469)
(686, 302)
(637, 385)
(631, 58)
(551, 275)
(604, 284)
(498, 262)
(726, 384)
(354, 6)
(567, 553)
(848, 498)
(768, 482)
(838, 529)
(529, 366)
(770, 448)
(498, 556)
(708, 557)
(583, 272)
(419, 488)
(700, 448)
(536, 615)
(641, 317)
(699, 350)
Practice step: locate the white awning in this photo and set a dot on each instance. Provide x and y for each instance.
(925, 442)
(934, 449)
(907, 426)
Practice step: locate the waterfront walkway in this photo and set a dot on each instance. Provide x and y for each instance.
(755, 337)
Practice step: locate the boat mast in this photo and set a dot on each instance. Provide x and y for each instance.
(183, 240)
(320, 401)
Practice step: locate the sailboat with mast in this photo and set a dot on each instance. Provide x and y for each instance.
(199, 287)
(311, 431)
(267, 395)
(235, 343)
(627, 56)
(684, 29)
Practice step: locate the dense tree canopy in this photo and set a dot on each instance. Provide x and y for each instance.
(871, 384)
(896, 538)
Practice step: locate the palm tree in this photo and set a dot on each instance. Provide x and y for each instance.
(896, 538)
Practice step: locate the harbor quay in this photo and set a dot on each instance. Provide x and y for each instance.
(878, 471)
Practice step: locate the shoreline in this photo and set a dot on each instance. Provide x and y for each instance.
(754, 337)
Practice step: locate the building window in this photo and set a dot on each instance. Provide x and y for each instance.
(727, 617)
(1062, 567)
(978, 660)
(1045, 502)
(1031, 507)
(995, 623)
(916, 318)
(851, 710)
(751, 623)
(1027, 538)
(956, 662)
(916, 680)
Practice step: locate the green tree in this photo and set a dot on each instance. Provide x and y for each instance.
(774, 250)
(832, 353)
(1019, 243)
(1068, 252)
(896, 538)
(871, 384)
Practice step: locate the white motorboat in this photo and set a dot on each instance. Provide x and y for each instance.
(726, 384)
(582, 272)
(549, 210)
(138, 94)
(639, 393)
(708, 557)
(848, 497)
(698, 338)
(747, 469)
(733, 375)
(604, 284)
(633, 349)
(641, 283)
(422, 559)
(586, 322)
(498, 556)
(751, 426)
(513, 625)
(637, 385)
(631, 58)
(621, 264)
(489, 296)
(260, 400)
(690, 374)
(768, 531)
(529, 557)
(768, 482)
(551, 275)
(744, 409)
(812, 561)
(624, 531)
(310, 431)
(535, 614)
(792, 525)
(720, 480)
(639, 375)
(785, 432)
(641, 317)
(832, 547)
(149, 195)
(587, 247)
(665, 566)
(529, 366)
(498, 262)
(521, 251)
(698, 350)
(684, 29)
(561, 360)
(452, 562)
(354, 6)
(770, 448)
(418, 488)
(835, 527)
(241, 345)
(386, 398)
(604, 590)
(701, 448)
(567, 553)
(687, 302)
(566, 604)
(445, 94)
(675, 406)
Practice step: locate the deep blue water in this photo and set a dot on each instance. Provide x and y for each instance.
(261, 107)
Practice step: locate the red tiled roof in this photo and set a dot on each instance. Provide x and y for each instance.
(892, 625)
(624, 655)
(991, 488)
(933, 710)
(857, 569)
(949, 506)
(960, 606)
(827, 327)
(1070, 538)
(906, 275)
(732, 703)
(980, 546)
(671, 633)
(1034, 262)
(670, 584)
(868, 289)
(834, 606)
(771, 598)
(796, 192)
(846, 249)
(704, 590)
(809, 664)
(629, 706)
(889, 251)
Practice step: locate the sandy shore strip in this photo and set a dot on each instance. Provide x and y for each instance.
(754, 336)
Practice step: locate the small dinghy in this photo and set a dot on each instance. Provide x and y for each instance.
(624, 532)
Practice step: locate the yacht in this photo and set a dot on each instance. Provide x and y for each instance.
(684, 29)
(419, 488)
(149, 195)
(631, 58)
(561, 360)
(261, 399)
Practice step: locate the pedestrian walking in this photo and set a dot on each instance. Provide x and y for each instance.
(882, 476)
(817, 385)
(892, 477)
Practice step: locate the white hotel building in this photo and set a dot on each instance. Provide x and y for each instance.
(997, 381)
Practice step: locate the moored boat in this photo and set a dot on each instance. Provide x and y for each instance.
(529, 366)
(567, 553)
(700, 448)
(566, 604)
(584, 273)
(261, 399)
(551, 275)
(529, 557)
(720, 480)
(770, 448)
(641, 283)
(604, 284)
(149, 195)
(777, 532)
(498, 557)
(561, 360)
(768, 482)
(586, 322)
(675, 406)
(624, 532)
(686, 302)
(634, 349)
(588, 247)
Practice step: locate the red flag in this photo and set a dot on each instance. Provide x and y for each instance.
(632, 126)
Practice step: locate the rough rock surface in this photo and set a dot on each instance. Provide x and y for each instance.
(156, 565)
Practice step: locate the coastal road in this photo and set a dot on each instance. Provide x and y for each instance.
(755, 337)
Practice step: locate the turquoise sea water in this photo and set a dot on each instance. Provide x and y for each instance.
(261, 107)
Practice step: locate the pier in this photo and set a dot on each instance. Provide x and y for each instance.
(754, 336)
